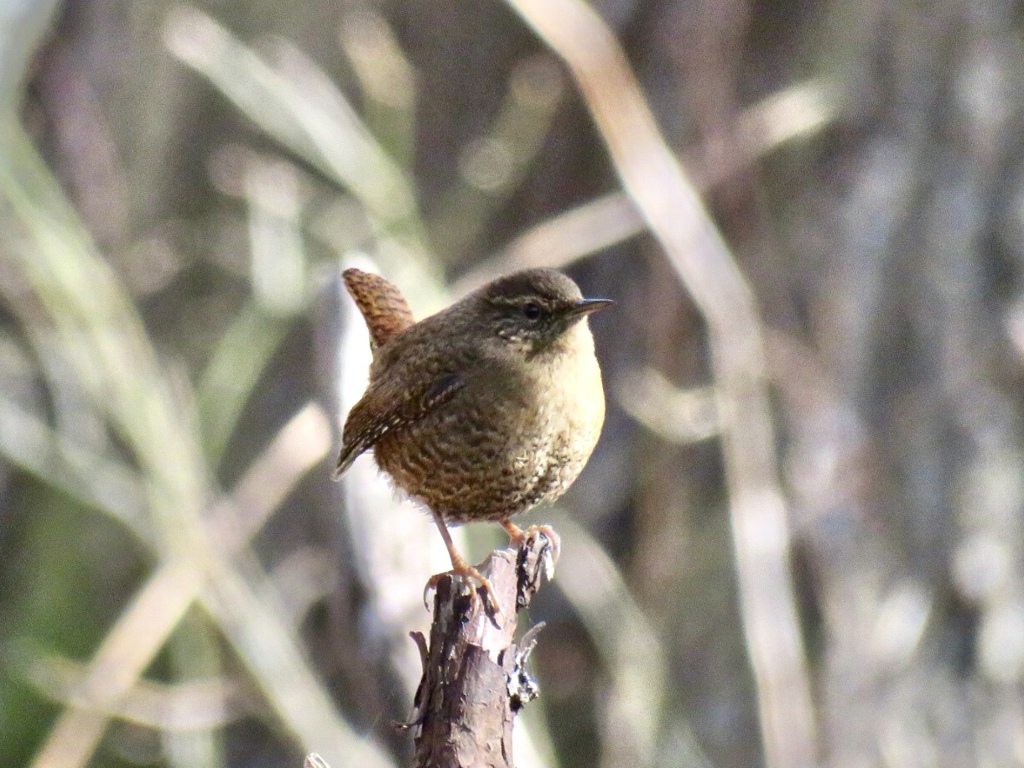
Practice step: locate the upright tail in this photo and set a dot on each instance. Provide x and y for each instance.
(382, 305)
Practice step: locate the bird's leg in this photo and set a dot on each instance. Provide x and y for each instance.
(519, 537)
(460, 568)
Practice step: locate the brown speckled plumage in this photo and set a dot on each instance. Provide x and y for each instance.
(381, 303)
(487, 408)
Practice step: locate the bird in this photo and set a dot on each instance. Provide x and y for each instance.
(483, 410)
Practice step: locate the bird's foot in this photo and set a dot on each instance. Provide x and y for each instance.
(550, 548)
(470, 575)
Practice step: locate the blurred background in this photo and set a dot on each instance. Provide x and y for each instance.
(180, 186)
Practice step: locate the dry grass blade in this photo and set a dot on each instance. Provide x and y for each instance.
(668, 202)
(676, 415)
(308, 115)
(386, 77)
(493, 165)
(613, 218)
(247, 607)
(628, 645)
(160, 604)
(234, 368)
(91, 320)
(300, 445)
(197, 704)
(560, 240)
(101, 482)
(313, 760)
(298, 105)
(25, 23)
(128, 649)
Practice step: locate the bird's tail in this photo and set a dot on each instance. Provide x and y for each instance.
(382, 305)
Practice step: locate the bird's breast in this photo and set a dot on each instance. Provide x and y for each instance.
(518, 433)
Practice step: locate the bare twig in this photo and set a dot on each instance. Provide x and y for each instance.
(666, 199)
(473, 681)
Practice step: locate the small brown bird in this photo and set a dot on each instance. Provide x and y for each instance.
(485, 409)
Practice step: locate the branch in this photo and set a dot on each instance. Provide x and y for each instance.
(474, 679)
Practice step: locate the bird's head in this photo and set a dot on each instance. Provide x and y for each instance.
(532, 310)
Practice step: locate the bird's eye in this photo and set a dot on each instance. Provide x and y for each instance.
(531, 311)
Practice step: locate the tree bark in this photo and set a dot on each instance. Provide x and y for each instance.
(474, 677)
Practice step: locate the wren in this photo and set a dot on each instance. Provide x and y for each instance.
(485, 409)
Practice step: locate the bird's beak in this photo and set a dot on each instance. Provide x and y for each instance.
(589, 306)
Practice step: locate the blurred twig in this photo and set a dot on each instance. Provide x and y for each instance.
(102, 338)
(239, 358)
(676, 415)
(493, 165)
(387, 80)
(326, 132)
(298, 105)
(101, 482)
(669, 203)
(25, 22)
(558, 241)
(183, 706)
(612, 218)
(278, 274)
(627, 642)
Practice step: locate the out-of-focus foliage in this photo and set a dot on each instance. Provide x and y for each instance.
(181, 585)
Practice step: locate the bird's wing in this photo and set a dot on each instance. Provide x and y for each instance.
(372, 418)
(382, 305)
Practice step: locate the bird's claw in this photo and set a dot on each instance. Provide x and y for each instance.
(553, 550)
(550, 548)
(470, 575)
